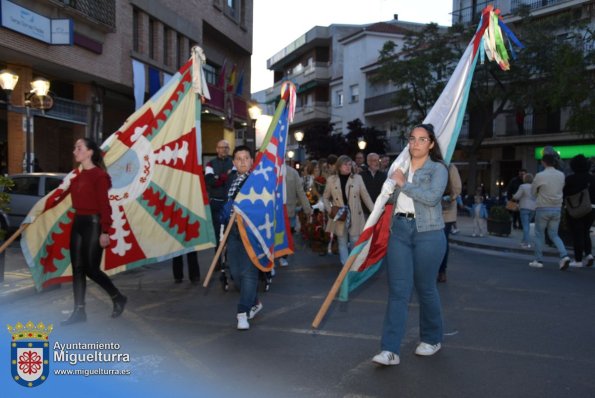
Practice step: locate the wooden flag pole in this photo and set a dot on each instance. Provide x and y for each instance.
(219, 250)
(13, 237)
(333, 292)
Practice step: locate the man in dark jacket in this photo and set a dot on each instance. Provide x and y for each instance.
(373, 178)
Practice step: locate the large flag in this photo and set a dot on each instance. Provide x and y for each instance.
(447, 117)
(262, 216)
(159, 203)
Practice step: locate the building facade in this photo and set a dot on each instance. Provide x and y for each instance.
(91, 76)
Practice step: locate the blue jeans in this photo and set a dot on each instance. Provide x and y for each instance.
(412, 258)
(243, 272)
(550, 220)
(344, 247)
(526, 216)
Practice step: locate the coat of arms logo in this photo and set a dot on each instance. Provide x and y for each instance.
(29, 349)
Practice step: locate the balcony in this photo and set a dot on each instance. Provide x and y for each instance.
(68, 110)
(534, 5)
(102, 12)
(379, 104)
(469, 15)
(316, 112)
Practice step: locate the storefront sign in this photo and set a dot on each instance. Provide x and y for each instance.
(29, 23)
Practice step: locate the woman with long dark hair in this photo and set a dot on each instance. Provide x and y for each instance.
(416, 247)
(90, 229)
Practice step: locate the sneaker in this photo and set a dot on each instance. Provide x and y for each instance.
(588, 261)
(386, 358)
(454, 231)
(536, 264)
(474, 235)
(255, 310)
(564, 263)
(283, 262)
(481, 235)
(426, 349)
(576, 264)
(243, 321)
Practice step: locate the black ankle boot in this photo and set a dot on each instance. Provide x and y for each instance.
(119, 304)
(77, 316)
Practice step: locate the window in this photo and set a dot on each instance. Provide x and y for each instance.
(210, 74)
(51, 183)
(232, 8)
(135, 29)
(25, 186)
(152, 33)
(354, 89)
(339, 98)
(181, 50)
(166, 45)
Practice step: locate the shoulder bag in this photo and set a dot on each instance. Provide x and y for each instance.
(579, 204)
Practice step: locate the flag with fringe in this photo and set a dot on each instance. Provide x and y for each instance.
(447, 117)
(160, 208)
(262, 215)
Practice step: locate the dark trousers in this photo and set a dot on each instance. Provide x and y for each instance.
(193, 269)
(85, 255)
(447, 230)
(516, 219)
(581, 239)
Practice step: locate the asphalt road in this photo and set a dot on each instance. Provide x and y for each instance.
(511, 331)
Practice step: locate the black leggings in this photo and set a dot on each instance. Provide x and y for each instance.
(85, 255)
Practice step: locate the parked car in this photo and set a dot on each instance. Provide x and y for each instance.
(27, 190)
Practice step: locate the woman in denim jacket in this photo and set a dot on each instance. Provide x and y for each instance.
(416, 247)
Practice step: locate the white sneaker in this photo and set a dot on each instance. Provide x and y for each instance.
(536, 264)
(588, 261)
(255, 310)
(386, 358)
(564, 263)
(576, 264)
(426, 349)
(243, 321)
(454, 231)
(283, 262)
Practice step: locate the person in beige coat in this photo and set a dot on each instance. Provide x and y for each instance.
(346, 187)
(449, 212)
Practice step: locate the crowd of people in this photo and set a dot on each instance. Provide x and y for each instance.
(330, 202)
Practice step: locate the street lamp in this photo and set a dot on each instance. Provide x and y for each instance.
(36, 98)
(499, 184)
(290, 154)
(361, 143)
(254, 111)
(299, 137)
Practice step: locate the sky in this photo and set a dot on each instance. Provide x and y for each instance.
(277, 23)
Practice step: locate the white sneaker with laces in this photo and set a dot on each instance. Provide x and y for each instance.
(564, 263)
(576, 264)
(283, 262)
(536, 264)
(243, 321)
(255, 310)
(386, 358)
(588, 261)
(426, 349)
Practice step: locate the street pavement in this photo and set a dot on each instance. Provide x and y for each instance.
(510, 330)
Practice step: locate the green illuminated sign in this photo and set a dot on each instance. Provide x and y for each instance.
(569, 151)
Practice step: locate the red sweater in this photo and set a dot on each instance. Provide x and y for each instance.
(89, 195)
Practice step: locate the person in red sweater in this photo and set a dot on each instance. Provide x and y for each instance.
(90, 229)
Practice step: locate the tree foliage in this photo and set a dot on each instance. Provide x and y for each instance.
(552, 73)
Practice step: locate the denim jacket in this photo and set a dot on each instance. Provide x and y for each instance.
(426, 190)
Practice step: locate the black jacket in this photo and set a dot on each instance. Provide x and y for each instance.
(575, 183)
